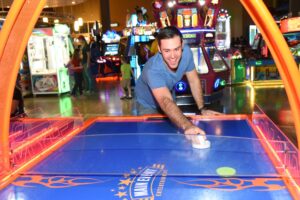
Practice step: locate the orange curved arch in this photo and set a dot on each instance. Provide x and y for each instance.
(281, 54)
(285, 63)
(14, 36)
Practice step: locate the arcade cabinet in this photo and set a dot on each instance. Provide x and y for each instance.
(110, 62)
(48, 54)
(139, 38)
(291, 32)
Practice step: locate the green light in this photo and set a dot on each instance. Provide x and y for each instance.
(66, 106)
(259, 62)
(189, 36)
(240, 67)
(223, 83)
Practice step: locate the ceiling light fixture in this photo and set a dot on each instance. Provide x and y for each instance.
(45, 19)
(76, 26)
(80, 21)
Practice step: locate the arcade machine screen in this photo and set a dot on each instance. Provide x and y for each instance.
(255, 44)
(209, 18)
(187, 18)
(164, 19)
(216, 61)
(190, 38)
(199, 61)
(292, 39)
(111, 49)
(221, 34)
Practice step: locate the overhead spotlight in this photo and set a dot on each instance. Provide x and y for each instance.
(170, 4)
(80, 21)
(76, 26)
(215, 2)
(45, 19)
(73, 2)
(202, 2)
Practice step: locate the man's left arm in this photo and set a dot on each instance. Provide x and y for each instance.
(195, 85)
(196, 88)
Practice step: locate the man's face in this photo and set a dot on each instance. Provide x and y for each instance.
(171, 50)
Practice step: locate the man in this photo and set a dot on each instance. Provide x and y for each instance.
(161, 73)
(85, 61)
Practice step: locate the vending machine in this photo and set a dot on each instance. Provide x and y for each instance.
(48, 53)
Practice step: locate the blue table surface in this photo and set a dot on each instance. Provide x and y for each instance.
(153, 159)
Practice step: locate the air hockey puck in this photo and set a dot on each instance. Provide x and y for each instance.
(202, 143)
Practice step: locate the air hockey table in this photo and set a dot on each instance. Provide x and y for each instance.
(147, 158)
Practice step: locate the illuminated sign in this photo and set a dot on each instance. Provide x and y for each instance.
(181, 86)
(290, 25)
(215, 2)
(189, 36)
(187, 1)
(187, 17)
(209, 35)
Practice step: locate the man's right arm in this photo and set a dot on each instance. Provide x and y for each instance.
(166, 103)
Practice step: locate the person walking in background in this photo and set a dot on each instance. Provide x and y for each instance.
(17, 106)
(93, 68)
(143, 54)
(85, 61)
(126, 72)
(77, 69)
(70, 71)
(154, 45)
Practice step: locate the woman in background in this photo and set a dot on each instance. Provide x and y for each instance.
(77, 69)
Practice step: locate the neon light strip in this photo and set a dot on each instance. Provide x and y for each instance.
(14, 174)
(285, 171)
(34, 139)
(197, 30)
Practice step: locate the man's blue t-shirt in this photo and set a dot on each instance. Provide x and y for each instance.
(156, 75)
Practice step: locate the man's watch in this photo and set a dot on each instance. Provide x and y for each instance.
(201, 110)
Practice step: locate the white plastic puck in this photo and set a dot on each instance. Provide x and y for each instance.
(202, 143)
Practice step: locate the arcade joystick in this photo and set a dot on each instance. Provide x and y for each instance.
(202, 143)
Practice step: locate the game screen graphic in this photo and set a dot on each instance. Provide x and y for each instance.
(209, 18)
(164, 19)
(200, 63)
(187, 18)
(111, 49)
(215, 59)
(293, 41)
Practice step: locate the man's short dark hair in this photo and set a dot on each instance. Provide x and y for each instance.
(168, 33)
